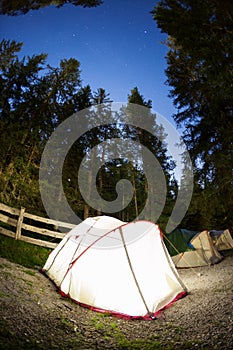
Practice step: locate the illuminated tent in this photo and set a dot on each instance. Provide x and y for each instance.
(191, 248)
(222, 240)
(116, 267)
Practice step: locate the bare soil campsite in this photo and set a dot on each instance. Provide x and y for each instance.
(35, 316)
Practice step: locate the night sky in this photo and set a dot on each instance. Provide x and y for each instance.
(118, 45)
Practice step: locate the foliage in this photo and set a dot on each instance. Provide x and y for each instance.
(21, 7)
(35, 98)
(199, 72)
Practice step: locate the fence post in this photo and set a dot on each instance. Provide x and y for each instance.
(19, 223)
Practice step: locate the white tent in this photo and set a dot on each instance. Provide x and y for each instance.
(116, 267)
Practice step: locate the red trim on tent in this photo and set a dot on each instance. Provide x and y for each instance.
(147, 317)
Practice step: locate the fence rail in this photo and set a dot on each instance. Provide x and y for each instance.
(19, 224)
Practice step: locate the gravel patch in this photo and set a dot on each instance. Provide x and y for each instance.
(34, 316)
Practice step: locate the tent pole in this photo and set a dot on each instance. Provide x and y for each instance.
(134, 276)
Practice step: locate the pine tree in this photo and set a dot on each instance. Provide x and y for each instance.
(157, 167)
(199, 71)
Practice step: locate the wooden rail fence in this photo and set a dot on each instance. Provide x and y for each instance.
(19, 224)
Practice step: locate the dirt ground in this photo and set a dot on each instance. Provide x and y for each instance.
(33, 315)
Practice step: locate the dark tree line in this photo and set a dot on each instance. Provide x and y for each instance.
(35, 99)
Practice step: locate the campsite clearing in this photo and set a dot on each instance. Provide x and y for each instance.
(34, 315)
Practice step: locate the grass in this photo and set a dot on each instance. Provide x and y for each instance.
(111, 332)
(30, 272)
(22, 253)
(141, 344)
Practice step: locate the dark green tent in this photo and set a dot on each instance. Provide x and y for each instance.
(178, 241)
